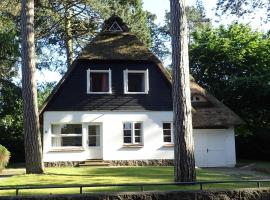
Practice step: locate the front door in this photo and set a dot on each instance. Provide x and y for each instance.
(94, 140)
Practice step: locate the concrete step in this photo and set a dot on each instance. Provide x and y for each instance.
(93, 160)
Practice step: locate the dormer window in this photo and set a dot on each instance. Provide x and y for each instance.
(115, 27)
(136, 82)
(99, 81)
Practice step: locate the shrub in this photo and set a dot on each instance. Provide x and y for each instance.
(4, 157)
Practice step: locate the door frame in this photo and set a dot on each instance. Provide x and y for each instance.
(95, 148)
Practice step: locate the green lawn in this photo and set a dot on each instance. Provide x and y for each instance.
(116, 175)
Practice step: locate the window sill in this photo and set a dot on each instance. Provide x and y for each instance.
(132, 146)
(63, 149)
(136, 93)
(168, 145)
(99, 92)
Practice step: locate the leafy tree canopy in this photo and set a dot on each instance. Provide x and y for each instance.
(9, 47)
(234, 64)
(243, 7)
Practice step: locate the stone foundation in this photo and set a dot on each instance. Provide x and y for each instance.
(114, 163)
(62, 164)
(140, 162)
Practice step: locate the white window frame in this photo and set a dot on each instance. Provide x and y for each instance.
(133, 133)
(114, 30)
(172, 138)
(66, 135)
(146, 81)
(98, 71)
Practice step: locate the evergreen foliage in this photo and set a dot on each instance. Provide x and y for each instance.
(233, 64)
(9, 47)
(243, 7)
(11, 128)
(4, 157)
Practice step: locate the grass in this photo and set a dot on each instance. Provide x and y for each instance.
(117, 175)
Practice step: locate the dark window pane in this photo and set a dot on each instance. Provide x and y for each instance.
(137, 139)
(94, 130)
(166, 125)
(167, 139)
(127, 132)
(137, 125)
(137, 132)
(127, 139)
(167, 132)
(71, 129)
(94, 135)
(127, 125)
(71, 141)
(136, 82)
(94, 141)
(99, 82)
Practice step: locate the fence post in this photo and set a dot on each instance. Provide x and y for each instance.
(17, 191)
(142, 189)
(201, 186)
(81, 189)
(258, 184)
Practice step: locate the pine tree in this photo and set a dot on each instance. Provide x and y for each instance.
(184, 162)
(33, 149)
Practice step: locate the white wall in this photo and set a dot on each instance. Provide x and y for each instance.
(112, 137)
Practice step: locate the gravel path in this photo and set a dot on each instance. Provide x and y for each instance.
(240, 172)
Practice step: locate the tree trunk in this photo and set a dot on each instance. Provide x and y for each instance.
(32, 141)
(68, 38)
(184, 163)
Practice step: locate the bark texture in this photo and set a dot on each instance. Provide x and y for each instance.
(68, 37)
(184, 164)
(33, 150)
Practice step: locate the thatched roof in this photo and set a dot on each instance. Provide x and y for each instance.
(214, 113)
(119, 46)
(126, 46)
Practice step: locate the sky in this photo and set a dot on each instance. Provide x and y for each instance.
(159, 8)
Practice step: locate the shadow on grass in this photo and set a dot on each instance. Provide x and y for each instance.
(122, 171)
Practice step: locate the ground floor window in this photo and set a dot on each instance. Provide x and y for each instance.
(132, 132)
(66, 135)
(167, 132)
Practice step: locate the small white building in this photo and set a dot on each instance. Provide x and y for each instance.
(114, 104)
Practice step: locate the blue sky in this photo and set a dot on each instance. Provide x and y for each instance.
(159, 7)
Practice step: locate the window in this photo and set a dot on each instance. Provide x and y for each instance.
(136, 82)
(167, 132)
(197, 98)
(115, 27)
(132, 132)
(94, 135)
(98, 81)
(66, 135)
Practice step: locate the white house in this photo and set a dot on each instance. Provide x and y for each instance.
(114, 104)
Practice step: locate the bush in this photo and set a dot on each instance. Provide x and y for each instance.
(255, 146)
(4, 157)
